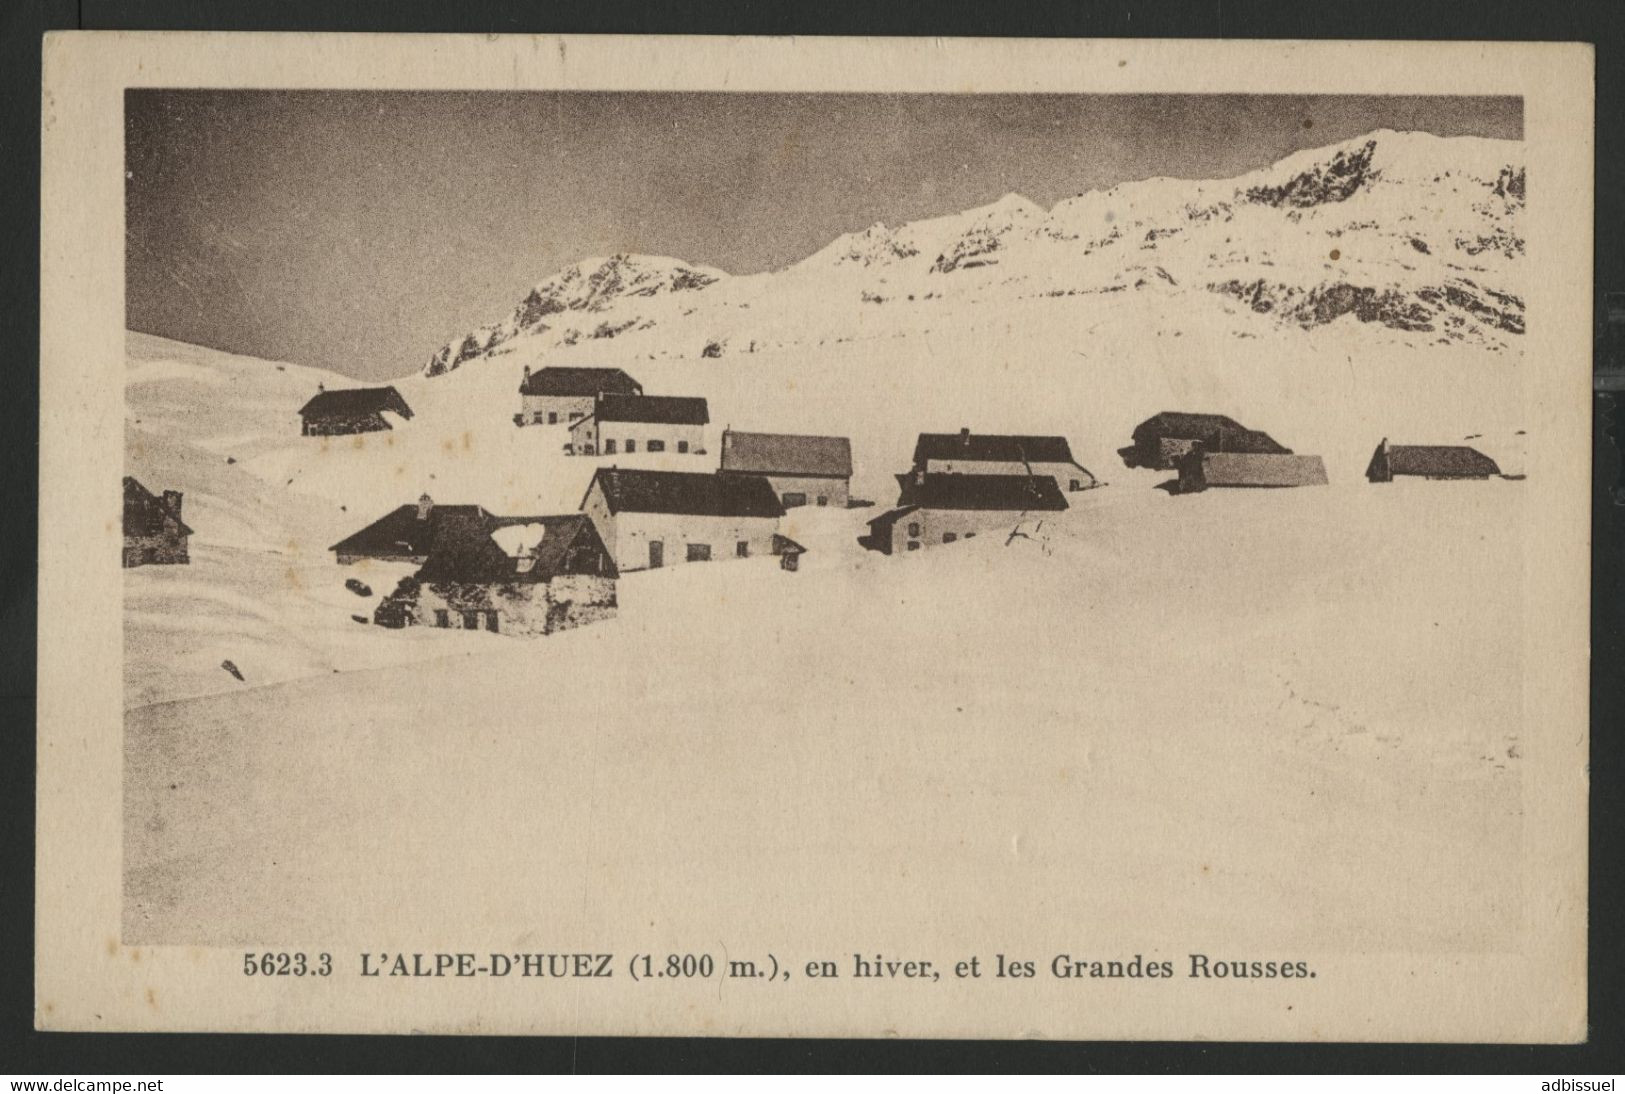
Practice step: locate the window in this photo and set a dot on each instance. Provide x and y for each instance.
(471, 621)
(793, 499)
(914, 529)
(682, 446)
(609, 448)
(699, 552)
(742, 549)
(552, 417)
(913, 545)
(970, 535)
(1075, 485)
(823, 500)
(442, 618)
(631, 446)
(575, 415)
(491, 622)
(658, 446)
(948, 537)
(586, 450)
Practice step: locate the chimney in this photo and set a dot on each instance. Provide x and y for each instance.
(964, 436)
(172, 502)
(320, 386)
(425, 505)
(527, 372)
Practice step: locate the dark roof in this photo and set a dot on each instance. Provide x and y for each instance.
(1217, 433)
(400, 532)
(1179, 423)
(464, 550)
(995, 447)
(665, 409)
(691, 493)
(555, 380)
(1439, 460)
(355, 400)
(1260, 469)
(145, 512)
(787, 454)
(1015, 493)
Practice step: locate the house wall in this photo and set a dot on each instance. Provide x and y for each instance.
(834, 490)
(676, 438)
(628, 536)
(522, 608)
(1065, 474)
(334, 425)
(926, 527)
(534, 409)
(158, 549)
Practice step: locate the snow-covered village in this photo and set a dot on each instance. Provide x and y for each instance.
(1166, 509)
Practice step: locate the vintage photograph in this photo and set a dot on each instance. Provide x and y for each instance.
(1058, 465)
(1036, 553)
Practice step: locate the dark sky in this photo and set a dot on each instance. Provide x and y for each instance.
(358, 231)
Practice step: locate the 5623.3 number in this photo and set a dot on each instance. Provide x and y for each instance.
(287, 964)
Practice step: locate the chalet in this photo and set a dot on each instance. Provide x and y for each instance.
(1162, 441)
(651, 519)
(1429, 461)
(508, 575)
(804, 470)
(1200, 470)
(555, 395)
(351, 410)
(945, 507)
(640, 423)
(154, 534)
(401, 535)
(967, 453)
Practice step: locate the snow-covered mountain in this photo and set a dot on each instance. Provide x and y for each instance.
(1412, 233)
(590, 286)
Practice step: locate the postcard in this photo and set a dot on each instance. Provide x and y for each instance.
(814, 537)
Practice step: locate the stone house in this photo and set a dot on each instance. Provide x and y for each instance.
(351, 410)
(562, 395)
(507, 575)
(154, 534)
(803, 469)
(650, 519)
(934, 509)
(640, 423)
(1429, 461)
(967, 453)
(1162, 440)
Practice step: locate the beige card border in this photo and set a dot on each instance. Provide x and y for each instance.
(86, 980)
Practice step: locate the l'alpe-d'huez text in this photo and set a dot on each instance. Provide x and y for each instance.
(1136, 378)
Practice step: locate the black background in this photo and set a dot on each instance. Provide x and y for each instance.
(24, 1052)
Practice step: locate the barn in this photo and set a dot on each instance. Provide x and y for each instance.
(1162, 440)
(649, 519)
(804, 469)
(154, 534)
(507, 575)
(641, 423)
(1200, 470)
(351, 410)
(1001, 454)
(556, 395)
(946, 508)
(1429, 461)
